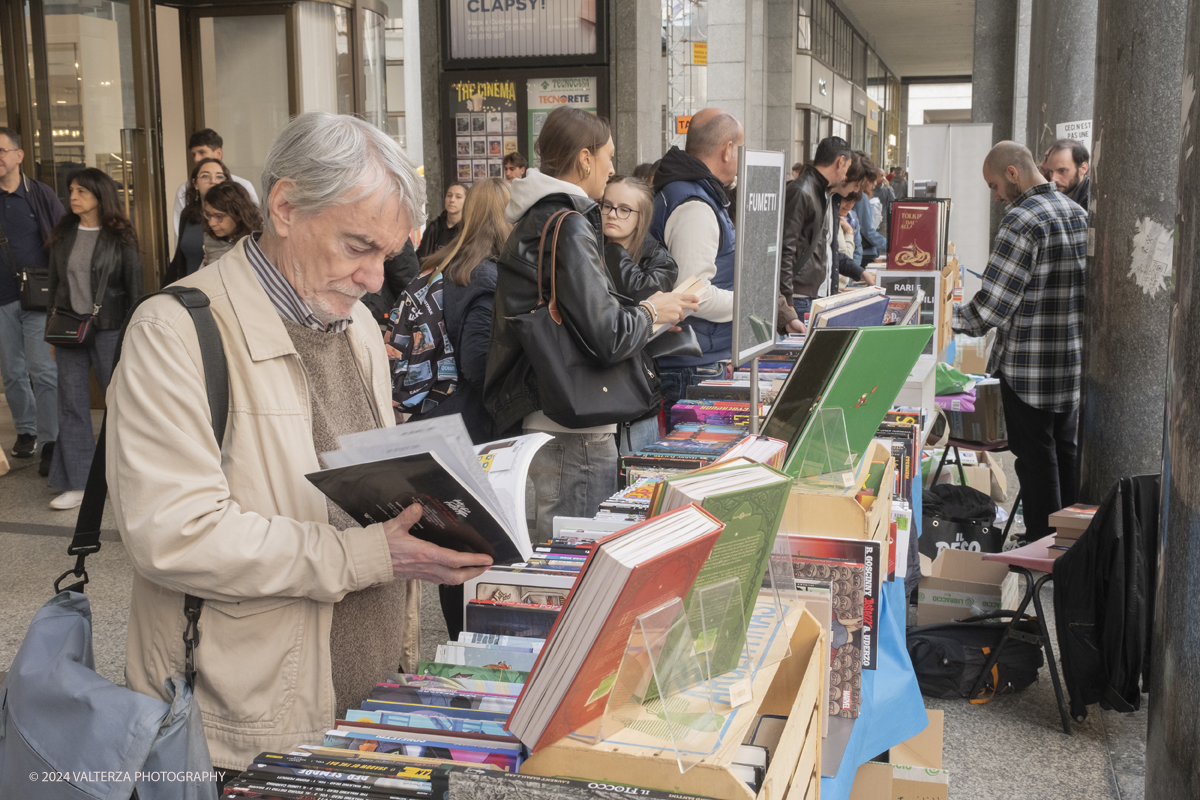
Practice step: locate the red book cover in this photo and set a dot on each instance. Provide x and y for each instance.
(913, 243)
(649, 585)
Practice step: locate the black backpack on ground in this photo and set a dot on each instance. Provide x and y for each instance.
(948, 658)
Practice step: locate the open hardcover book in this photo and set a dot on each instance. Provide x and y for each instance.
(694, 285)
(473, 497)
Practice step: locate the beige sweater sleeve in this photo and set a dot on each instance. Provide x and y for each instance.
(693, 237)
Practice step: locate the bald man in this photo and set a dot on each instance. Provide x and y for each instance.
(691, 219)
(1033, 295)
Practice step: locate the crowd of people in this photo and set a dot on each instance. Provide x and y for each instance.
(447, 327)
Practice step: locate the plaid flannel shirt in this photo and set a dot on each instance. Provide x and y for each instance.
(1033, 295)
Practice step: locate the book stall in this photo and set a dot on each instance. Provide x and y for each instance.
(729, 624)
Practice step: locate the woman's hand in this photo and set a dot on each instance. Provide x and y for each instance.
(672, 307)
(846, 226)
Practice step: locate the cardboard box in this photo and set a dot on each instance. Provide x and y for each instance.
(919, 390)
(986, 422)
(834, 511)
(971, 353)
(913, 770)
(959, 584)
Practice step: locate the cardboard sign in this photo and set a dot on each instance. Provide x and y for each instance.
(681, 124)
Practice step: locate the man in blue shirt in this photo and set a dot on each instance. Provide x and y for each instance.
(28, 210)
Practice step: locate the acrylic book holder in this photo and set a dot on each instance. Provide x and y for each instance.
(665, 697)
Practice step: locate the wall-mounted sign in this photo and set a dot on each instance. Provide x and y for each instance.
(547, 94)
(681, 125)
(485, 128)
(1080, 131)
(507, 28)
(700, 54)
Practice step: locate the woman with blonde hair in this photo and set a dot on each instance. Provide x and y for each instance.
(441, 325)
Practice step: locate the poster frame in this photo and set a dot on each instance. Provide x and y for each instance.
(745, 351)
(599, 58)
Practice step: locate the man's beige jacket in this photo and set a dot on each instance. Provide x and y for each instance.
(238, 525)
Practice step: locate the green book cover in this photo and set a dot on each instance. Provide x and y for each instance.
(440, 670)
(864, 386)
(751, 517)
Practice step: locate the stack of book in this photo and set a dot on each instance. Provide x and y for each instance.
(1070, 523)
(713, 412)
(853, 309)
(687, 447)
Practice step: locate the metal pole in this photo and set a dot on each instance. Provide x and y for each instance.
(754, 396)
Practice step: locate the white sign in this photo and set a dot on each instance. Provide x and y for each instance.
(1080, 131)
(507, 28)
(547, 94)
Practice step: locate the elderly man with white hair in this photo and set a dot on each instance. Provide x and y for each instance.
(304, 611)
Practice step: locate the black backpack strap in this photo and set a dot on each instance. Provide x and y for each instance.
(91, 512)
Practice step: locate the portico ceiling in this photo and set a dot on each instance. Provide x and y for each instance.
(918, 37)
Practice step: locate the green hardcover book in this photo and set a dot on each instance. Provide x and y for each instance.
(440, 670)
(865, 384)
(749, 500)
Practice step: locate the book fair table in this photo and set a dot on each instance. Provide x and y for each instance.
(1033, 557)
(892, 708)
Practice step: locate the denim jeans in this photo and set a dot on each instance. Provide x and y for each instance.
(30, 375)
(634, 436)
(675, 381)
(76, 442)
(802, 305)
(571, 476)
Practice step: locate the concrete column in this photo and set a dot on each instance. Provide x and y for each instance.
(1134, 173)
(414, 119)
(779, 55)
(1062, 68)
(1173, 736)
(993, 73)
(735, 72)
(636, 83)
(993, 69)
(431, 101)
(1021, 71)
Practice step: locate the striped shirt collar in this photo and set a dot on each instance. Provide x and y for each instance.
(288, 304)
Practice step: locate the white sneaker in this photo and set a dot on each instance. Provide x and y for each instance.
(67, 500)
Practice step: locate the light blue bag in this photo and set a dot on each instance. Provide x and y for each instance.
(66, 732)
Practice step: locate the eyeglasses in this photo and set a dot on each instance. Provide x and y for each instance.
(215, 217)
(5, 151)
(622, 212)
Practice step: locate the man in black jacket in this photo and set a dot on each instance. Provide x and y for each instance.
(807, 221)
(28, 210)
(1067, 163)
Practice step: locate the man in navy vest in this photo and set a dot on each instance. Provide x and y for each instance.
(691, 219)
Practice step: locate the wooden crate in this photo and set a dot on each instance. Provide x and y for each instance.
(790, 688)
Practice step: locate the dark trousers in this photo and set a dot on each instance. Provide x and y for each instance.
(1047, 458)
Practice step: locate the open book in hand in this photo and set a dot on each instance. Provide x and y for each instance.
(694, 285)
(473, 497)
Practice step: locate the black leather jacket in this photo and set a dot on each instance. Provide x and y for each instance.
(605, 325)
(804, 206)
(655, 271)
(124, 282)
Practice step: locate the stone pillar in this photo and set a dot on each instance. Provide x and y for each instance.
(779, 55)
(1134, 173)
(414, 119)
(735, 72)
(993, 69)
(993, 72)
(1021, 71)
(432, 102)
(1062, 68)
(636, 82)
(1173, 736)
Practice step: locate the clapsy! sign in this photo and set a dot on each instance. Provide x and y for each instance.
(510, 28)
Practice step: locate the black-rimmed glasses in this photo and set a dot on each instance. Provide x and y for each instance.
(622, 212)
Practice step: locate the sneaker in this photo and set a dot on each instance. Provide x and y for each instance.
(67, 500)
(47, 457)
(26, 444)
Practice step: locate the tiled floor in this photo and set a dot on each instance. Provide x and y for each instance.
(1012, 748)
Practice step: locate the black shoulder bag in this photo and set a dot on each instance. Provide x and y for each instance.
(87, 528)
(33, 285)
(573, 390)
(65, 328)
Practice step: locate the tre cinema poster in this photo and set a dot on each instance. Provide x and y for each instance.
(485, 128)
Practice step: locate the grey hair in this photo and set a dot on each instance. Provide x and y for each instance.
(332, 159)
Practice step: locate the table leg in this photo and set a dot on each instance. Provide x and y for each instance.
(1016, 617)
(1050, 661)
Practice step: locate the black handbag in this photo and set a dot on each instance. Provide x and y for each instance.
(65, 328)
(33, 285)
(574, 391)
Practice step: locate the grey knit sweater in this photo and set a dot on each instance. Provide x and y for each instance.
(368, 626)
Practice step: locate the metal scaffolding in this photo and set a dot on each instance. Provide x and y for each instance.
(685, 29)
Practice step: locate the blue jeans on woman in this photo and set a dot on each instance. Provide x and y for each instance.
(76, 441)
